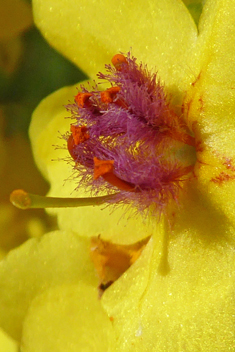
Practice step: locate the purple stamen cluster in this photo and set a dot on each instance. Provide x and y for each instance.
(136, 129)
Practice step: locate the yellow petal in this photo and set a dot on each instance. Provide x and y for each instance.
(190, 308)
(7, 344)
(67, 318)
(211, 104)
(58, 258)
(161, 34)
(47, 124)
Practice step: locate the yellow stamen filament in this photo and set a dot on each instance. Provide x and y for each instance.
(23, 200)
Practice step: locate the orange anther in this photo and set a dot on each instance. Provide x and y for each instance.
(108, 95)
(118, 60)
(82, 99)
(70, 146)
(79, 134)
(102, 167)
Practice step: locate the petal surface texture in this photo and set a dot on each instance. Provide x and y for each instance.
(161, 33)
(191, 306)
(59, 258)
(211, 104)
(69, 319)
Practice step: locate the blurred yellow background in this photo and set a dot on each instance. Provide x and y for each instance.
(29, 70)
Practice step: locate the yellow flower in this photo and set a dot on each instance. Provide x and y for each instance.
(190, 306)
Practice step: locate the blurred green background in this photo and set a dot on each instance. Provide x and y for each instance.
(29, 70)
(40, 71)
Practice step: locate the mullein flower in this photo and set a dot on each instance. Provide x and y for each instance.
(178, 294)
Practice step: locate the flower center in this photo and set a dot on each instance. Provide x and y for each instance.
(127, 137)
(127, 142)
